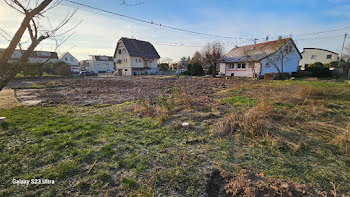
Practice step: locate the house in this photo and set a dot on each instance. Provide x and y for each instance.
(100, 64)
(35, 57)
(135, 57)
(258, 59)
(70, 60)
(313, 55)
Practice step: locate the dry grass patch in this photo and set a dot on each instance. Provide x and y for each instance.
(146, 109)
(255, 121)
(8, 99)
(343, 141)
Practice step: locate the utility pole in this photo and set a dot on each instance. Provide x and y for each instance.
(341, 54)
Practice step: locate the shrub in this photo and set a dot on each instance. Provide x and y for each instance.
(33, 69)
(61, 68)
(194, 70)
(319, 70)
(301, 74)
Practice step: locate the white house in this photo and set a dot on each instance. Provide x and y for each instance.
(100, 64)
(258, 59)
(135, 57)
(70, 60)
(313, 55)
(35, 57)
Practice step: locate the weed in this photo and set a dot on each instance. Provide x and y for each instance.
(343, 141)
(255, 121)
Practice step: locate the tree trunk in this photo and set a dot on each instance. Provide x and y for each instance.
(8, 72)
(19, 34)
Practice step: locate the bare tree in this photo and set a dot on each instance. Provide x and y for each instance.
(197, 58)
(250, 59)
(34, 17)
(212, 53)
(282, 49)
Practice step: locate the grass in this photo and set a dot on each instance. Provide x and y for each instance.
(8, 99)
(139, 149)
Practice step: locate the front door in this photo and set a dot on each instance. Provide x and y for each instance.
(120, 72)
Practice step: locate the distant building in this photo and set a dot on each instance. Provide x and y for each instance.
(135, 57)
(251, 60)
(100, 64)
(313, 55)
(174, 66)
(35, 57)
(70, 60)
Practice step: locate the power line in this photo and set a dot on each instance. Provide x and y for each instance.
(149, 22)
(205, 34)
(321, 32)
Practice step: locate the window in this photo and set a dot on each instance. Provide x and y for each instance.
(120, 51)
(329, 56)
(239, 66)
(119, 61)
(313, 57)
(267, 63)
(243, 66)
(231, 66)
(126, 70)
(66, 59)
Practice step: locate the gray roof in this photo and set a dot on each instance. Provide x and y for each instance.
(139, 48)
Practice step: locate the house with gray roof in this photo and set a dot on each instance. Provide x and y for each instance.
(135, 57)
(280, 55)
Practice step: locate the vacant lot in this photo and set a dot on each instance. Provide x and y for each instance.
(123, 136)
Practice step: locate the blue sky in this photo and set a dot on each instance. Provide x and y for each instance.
(247, 19)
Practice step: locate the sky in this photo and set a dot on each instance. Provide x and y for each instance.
(98, 32)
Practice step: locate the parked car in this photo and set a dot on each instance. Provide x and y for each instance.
(87, 73)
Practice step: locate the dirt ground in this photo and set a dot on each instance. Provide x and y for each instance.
(92, 91)
(246, 183)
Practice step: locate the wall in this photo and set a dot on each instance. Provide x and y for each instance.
(69, 59)
(247, 72)
(291, 63)
(98, 66)
(320, 56)
(125, 58)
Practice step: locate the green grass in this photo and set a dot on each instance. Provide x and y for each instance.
(239, 101)
(89, 150)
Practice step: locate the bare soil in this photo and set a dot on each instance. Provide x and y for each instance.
(93, 91)
(246, 183)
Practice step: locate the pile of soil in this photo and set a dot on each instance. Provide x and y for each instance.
(246, 183)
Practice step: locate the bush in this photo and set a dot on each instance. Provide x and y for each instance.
(301, 74)
(319, 70)
(194, 70)
(276, 76)
(33, 69)
(164, 66)
(61, 68)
